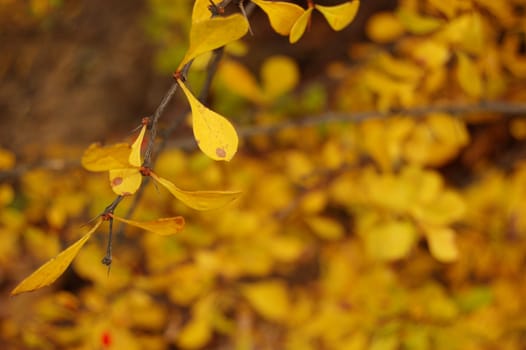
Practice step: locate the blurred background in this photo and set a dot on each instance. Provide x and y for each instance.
(398, 226)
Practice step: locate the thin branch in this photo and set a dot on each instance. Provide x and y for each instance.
(507, 109)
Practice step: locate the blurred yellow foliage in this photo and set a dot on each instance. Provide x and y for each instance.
(397, 231)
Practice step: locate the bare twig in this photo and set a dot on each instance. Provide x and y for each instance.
(507, 109)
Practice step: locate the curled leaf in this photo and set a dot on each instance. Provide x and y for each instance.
(214, 134)
(199, 200)
(297, 30)
(104, 158)
(282, 15)
(207, 35)
(135, 154)
(55, 267)
(339, 16)
(163, 226)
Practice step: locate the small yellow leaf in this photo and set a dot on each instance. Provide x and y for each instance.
(199, 200)
(468, 76)
(418, 24)
(214, 134)
(384, 27)
(195, 334)
(339, 16)
(7, 159)
(99, 158)
(442, 244)
(269, 298)
(300, 25)
(240, 81)
(135, 154)
(282, 15)
(389, 240)
(200, 11)
(326, 228)
(431, 53)
(279, 75)
(55, 267)
(212, 33)
(163, 226)
(125, 181)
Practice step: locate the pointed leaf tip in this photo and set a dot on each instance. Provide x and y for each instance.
(215, 135)
(135, 154)
(199, 200)
(207, 35)
(339, 16)
(282, 15)
(163, 226)
(53, 268)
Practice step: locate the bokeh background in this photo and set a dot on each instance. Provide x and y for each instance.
(400, 227)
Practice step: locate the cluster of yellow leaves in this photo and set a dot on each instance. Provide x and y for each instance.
(289, 19)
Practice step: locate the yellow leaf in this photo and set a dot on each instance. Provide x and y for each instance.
(270, 298)
(389, 240)
(240, 81)
(214, 134)
(195, 334)
(384, 27)
(7, 159)
(325, 228)
(468, 76)
(299, 26)
(163, 226)
(446, 208)
(339, 16)
(200, 12)
(212, 33)
(125, 181)
(279, 75)
(431, 53)
(282, 15)
(99, 158)
(55, 267)
(442, 244)
(135, 154)
(418, 24)
(199, 200)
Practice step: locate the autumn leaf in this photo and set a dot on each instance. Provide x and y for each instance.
(214, 134)
(125, 182)
(284, 68)
(104, 158)
(418, 24)
(239, 80)
(200, 10)
(163, 226)
(282, 15)
(207, 35)
(339, 16)
(389, 240)
(269, 298)
(442, 243)
(300, 26)
(468, 76)
(55, 267)
(199, 200)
